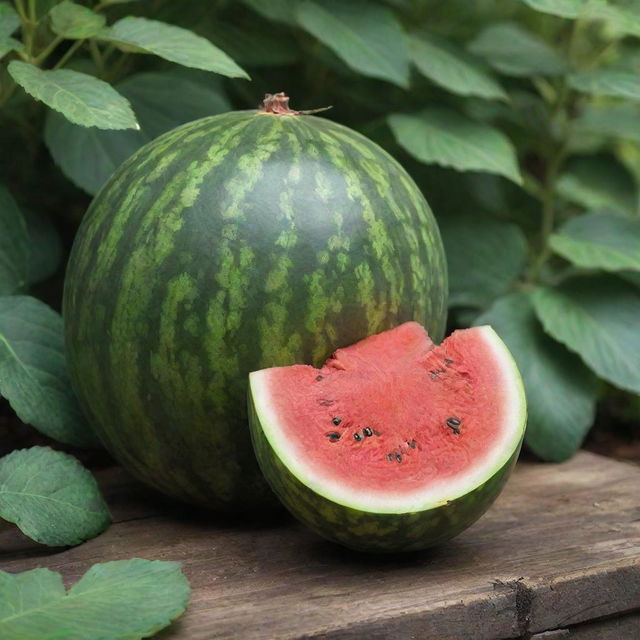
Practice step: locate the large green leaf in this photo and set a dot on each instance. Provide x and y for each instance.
(484, 255)
(607, 82)
(81, 98)
(561, 8)
(617, 121)
(440, 136)
(512, 50)
(621, 16)
(452, 68)
(14, 246)
(73, 21)
(600, 241)
(33, 371)
(365, 35)
(254, 45)
(599, 182)
(121, 600)
(172, 43)
(51, 497)
(277, 10)
(597, 317)
(9, 20)
(162, 101)
(561, 391)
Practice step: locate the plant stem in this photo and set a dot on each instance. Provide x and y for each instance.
(20, 10)
(68, 53)
(96, 56)
(33, 14)
(548, 210)
(47, 51)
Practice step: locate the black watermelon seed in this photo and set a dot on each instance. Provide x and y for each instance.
(448, 361)
(357, 436)
(367, 431)
(390, 457)
(318, 378)
(412, 444)
(453, 423)
(337, 421)
(332, 435)
(398, 457)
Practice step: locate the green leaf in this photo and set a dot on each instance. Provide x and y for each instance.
(597, 317)
(121, 600)
(599, 182)
(440, 136)
(8, 44)
(255, 46)
(561, 8)
(485, 256)
(632, 277)
(561, 391)
(607, 82)
(73, 21)
(600, 241)
(9, 20)
(14, 246)
(162, 101)
(172, 43)
(451, 68)
(45, 247)
(616, 121)
(51, 497)
(625, 20)
(514, 51)
(81, 98)
(33, 371)
(366, 36)
(276, 10)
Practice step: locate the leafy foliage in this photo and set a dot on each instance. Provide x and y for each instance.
(440, 136)
(120, 600)
(33, 371)
(561, 392)
(172, 43)
(535, 104)
(82, 99)
(51, 497)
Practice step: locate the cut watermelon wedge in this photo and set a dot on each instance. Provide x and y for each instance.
(395, 443)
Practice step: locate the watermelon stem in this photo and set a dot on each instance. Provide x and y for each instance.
(278, 104)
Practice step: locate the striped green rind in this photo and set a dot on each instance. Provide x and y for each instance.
(366, 530)
(231, 244)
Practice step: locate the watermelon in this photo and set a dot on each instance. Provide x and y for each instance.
(394, 444)
(237, 242)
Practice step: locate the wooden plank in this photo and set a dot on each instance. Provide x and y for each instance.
(625, 627)
(561, 546)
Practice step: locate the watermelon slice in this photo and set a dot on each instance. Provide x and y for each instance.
(395, 443)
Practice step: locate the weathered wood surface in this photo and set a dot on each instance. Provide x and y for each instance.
(560, 547)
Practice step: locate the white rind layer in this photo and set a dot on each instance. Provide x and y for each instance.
(436, 494)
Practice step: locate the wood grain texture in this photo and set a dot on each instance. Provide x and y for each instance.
(561, 546)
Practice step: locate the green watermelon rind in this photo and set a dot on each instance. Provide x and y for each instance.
(376, 532)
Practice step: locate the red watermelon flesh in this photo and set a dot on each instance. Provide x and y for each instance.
(394, 423)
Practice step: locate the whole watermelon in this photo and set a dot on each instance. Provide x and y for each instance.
(237, 242)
